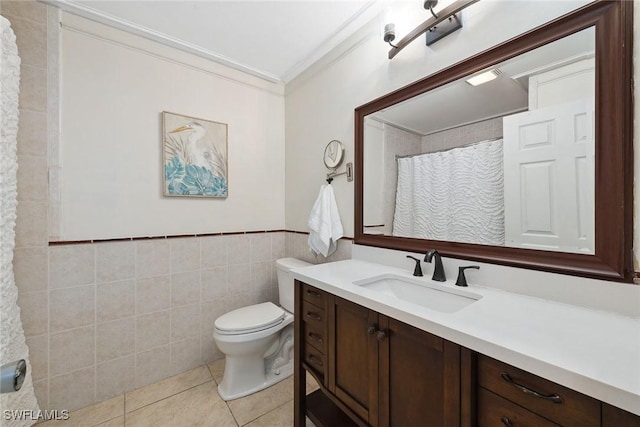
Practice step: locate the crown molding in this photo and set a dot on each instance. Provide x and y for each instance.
(156, 36)
(364, 15)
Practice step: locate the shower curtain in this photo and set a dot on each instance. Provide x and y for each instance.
(455, 195)
(12, 342)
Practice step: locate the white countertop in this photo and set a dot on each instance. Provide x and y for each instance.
(594, 352)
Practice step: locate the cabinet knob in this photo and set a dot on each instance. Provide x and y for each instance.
(371, 330)
(381, 335)
(506, 421)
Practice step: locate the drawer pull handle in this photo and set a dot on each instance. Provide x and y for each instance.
(311, 358)
(371, 330)
(313, 316)
(315, 337)
(506, 421)
(381, 335)
(552, 397)
(313, 293)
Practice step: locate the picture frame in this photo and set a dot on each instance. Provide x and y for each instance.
(194, 157)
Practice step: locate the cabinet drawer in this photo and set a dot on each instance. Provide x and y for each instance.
(495, 411)
(315, 360)
(313, 315)
(315, 336)
(555, 402)
(313, 295)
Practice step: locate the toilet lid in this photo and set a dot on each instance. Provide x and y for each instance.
(251, 318)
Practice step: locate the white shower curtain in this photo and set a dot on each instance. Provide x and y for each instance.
(12, 342)
(455, 195)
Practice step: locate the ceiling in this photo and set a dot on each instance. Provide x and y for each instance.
(274, 40)
(458, 103)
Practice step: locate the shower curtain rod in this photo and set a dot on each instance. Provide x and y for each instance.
(449, 149)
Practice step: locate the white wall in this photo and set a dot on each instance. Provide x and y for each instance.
(320, 103)
(114, 87)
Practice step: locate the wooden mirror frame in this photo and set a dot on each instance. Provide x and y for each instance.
(613, 257)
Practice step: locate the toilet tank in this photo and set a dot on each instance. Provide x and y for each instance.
(285, 280)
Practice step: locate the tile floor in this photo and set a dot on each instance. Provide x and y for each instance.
(190, 399)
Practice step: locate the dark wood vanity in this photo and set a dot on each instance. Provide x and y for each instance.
(376, 371)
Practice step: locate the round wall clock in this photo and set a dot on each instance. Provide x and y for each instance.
(333, 154)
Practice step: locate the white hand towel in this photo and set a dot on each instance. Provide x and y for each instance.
(324, 222)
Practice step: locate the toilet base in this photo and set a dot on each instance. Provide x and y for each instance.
(271, 378)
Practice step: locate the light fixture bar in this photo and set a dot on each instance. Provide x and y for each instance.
(443, 15)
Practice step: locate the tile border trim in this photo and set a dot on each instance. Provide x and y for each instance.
(176, 236)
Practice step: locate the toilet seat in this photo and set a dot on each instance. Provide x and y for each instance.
(250, 319)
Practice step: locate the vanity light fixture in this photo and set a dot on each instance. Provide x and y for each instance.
(437, 26)
(485, 77)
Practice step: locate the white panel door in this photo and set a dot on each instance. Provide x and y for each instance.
(549, 178)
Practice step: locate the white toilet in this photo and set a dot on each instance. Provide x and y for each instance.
(258, 340)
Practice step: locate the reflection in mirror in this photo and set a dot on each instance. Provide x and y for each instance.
(508, 162)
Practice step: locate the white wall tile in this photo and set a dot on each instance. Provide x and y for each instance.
(152, 330)
(115, 377)
(71, 265)
(74, 390)
(153, 294)
(115, 339)
(71, 350)
(185, 254)
(152, 258)
(115, 300)
(115, 261)
(71, 308)
(185, 288)
(213, 251)
(214, 283)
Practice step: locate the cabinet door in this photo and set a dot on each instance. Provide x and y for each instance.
(419, 377)
(616, 417)
(353, 358)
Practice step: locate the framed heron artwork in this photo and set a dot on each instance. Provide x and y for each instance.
(194, 154)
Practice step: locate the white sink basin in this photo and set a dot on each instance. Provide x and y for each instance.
(419, 291)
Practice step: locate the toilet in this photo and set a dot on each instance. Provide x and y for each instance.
(257, 340)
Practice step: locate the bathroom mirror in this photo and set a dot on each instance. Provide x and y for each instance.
(532, 168)
(333, 154)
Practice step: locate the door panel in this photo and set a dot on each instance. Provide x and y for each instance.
(417, 386)
(353, 358)
(549, 181)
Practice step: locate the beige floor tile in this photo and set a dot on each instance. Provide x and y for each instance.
(116, 422)
(282, 416)
(198, 406)
(92, 415)
(249, 408)
(312, 384)
(165, 388)
(217, 370)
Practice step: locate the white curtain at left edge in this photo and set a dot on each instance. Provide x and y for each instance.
(12, 341)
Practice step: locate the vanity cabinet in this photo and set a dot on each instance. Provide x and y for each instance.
(372, 368)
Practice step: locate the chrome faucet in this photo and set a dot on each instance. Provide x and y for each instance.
(438, 271)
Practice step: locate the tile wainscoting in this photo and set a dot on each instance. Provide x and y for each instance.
(119, 315)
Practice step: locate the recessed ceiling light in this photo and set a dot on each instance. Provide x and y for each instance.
(479, 79)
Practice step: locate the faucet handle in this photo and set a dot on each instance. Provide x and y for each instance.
(418, 270)
(462, 279)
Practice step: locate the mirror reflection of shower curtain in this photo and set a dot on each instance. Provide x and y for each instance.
(455, 195)
(12, 341)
